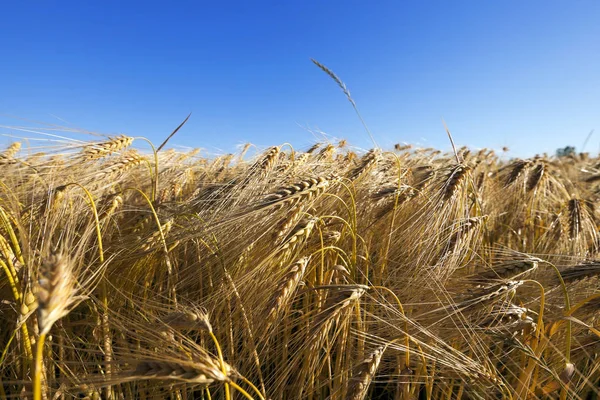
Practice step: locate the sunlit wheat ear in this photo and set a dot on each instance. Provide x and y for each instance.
(10, 152)
(300, 232)
(155, 239)
(454, 181)
(337, 302)
(111, 204)
(580, 217)
(99, 150)
(197, 372)
(517, 169)
(267, 160)
(363, 374)
(326, 153)
(285, 289)
(127, 161)
(194, 320)
(508, 320)
(461, 234)
(367, 162)
(56, 291)
(300, 191)
(509, 270)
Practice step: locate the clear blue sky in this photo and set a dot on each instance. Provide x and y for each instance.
(523, 74)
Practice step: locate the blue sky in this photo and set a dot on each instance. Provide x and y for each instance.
(522, 74)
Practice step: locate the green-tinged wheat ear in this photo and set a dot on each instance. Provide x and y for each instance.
(363, 373)
(285, 290)
(337, 80)
(99, 150)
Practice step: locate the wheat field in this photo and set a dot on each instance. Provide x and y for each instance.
(280, 273)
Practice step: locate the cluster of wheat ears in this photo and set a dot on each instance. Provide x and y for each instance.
(287, 274)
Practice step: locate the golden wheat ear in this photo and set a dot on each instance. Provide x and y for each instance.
(363, 373)
(97, 151)
(56, 289)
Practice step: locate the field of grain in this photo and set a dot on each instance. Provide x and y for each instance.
(281, 273)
